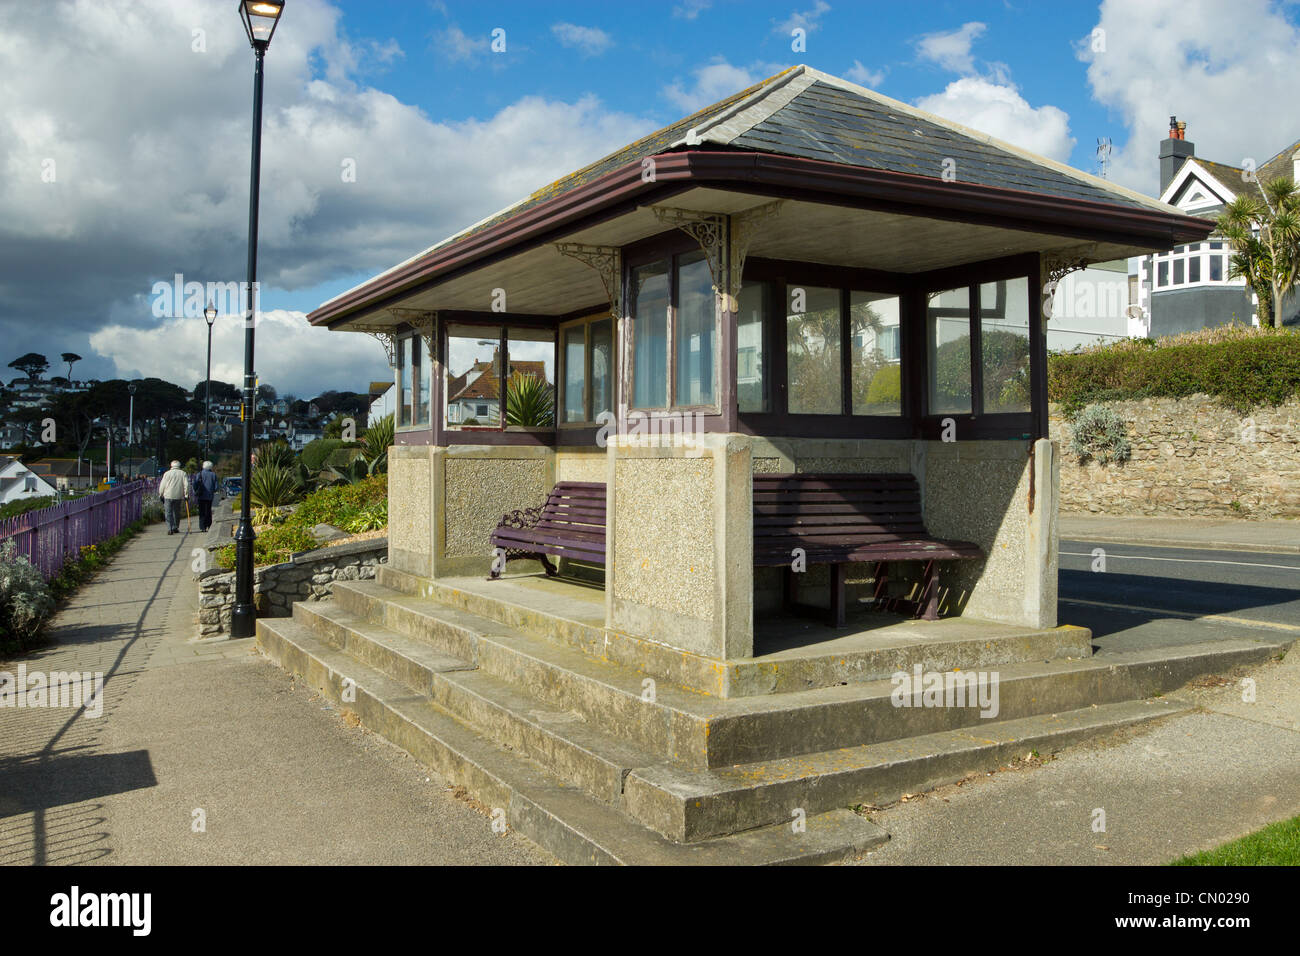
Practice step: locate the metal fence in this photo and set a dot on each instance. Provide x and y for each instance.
(50, 537)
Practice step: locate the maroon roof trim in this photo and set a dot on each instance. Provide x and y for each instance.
(617, 192)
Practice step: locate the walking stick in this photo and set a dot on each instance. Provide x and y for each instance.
(187, 514)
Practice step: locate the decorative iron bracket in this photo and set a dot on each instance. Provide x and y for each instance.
(423, 321)
(608, 263)
(719, 234)
(1055, 266)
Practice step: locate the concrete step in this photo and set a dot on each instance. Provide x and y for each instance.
(558, 816)
(699, 732)
(411, 662)
(800, 654)
(695, 805)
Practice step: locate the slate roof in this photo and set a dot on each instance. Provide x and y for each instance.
(1233, 177)
(802, 112)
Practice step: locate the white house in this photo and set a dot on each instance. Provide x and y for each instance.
(17, 482)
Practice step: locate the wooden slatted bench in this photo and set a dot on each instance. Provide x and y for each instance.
(570, 525)
(838, 519)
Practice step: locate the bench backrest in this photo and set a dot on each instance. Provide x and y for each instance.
(839, 512)
(575, 506)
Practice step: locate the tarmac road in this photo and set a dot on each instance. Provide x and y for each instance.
(1106, 586)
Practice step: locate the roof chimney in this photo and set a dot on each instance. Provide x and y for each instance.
(1173, 152)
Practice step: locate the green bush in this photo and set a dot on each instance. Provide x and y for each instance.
(24, 505)
(1098, 432)
(1242, 367)
(314, 454)
(272, 486)
(886, 386)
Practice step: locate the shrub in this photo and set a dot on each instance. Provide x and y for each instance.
(272, 486)
(24, 505)
(1241, 366)
(376, 442)
(529, 402)
(314, 454)
(277, 454)
(1099, 432)
(886, 387)
(25, 599)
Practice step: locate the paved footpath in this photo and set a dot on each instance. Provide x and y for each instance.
(209, 732)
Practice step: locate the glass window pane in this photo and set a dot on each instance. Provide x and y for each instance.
(424, 395)
(575, 373)
(696, 331)
(1194, 269)
(1216, 268)
(751, 377)
(406, 372)
(948, 347)
(650, 336)
(1162, 275)
(530, 384)
(602, 367)
(1004, 345)
(473, 377)
(1178, 272)
(877, 373)
(812, 329)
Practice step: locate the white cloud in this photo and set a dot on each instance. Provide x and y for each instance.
(1001, 111)
(291, 355)
(952, 49)
(807, 20)
(859, 74)
(690, 9)
(456, 45)
(591, 41)
(152, 162)
(717, 80)
(1227, 69)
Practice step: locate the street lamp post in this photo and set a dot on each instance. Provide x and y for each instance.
(210, 314)
(260, 19)
(130, 434)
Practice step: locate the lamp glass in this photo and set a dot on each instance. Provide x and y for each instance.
(260, 18)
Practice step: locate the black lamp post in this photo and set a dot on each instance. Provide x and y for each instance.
(260, 19)
(210, 315)
(130, 434)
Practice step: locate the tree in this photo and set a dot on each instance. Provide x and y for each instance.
(71, 359)
(221, 392)
(266, 393)
(33, 364)
(1265, 239)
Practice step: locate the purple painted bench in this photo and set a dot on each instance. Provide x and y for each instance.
(840, 519)
(570, 525)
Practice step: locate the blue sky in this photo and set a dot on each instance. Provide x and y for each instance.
(143, 107)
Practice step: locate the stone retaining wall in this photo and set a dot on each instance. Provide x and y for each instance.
(1190, 456)
(308, 577)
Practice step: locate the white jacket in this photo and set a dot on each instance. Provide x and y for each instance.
(174, 484)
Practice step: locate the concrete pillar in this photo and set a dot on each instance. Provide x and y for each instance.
(680, 562)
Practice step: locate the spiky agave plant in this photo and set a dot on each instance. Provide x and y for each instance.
(272, 486)
(375, 444)
(529, 402)
(276, 454)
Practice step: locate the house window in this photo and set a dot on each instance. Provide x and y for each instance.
(1162, 273)
(588, 369)
(1216, 268)
(674, 313)
(814, 373)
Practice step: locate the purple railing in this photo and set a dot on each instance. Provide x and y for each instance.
(50, 537)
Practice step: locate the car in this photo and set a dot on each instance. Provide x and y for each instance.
(231, 487)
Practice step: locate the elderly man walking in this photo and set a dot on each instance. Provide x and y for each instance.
(205, 489)
(173, 487)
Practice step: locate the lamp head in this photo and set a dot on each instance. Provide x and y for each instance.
(260, 19)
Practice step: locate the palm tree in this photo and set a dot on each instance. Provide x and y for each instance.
(1265, 240)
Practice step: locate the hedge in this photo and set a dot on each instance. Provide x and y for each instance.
(1243, 367)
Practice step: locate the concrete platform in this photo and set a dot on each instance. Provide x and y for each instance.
(511, 689)
(791, 652)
